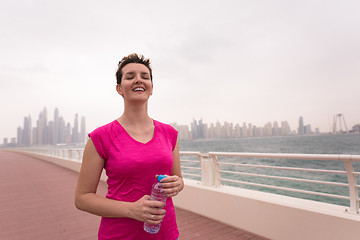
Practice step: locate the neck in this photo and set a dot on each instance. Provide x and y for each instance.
(135, 115)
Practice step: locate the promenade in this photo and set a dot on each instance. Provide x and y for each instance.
(37, 202)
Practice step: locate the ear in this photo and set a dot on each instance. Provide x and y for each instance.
(118, 89)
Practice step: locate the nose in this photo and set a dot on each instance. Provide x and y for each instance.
(138, 79)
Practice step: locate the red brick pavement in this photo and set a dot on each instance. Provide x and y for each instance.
(37, 202)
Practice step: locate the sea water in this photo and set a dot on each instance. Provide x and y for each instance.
(314, 144)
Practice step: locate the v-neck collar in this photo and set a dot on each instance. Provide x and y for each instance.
(133, 139)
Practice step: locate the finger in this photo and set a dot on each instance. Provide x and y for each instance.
(155, 218)
(172, 194)
(174, 184)
(168, 179)
(155, 204)
(156, 211)
(171, 189)
(168, 185)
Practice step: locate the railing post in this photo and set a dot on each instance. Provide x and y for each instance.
(353, 191)
(209, 170)
(217, 170)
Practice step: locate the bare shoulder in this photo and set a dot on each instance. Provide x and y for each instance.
(92, 163)
(90, 148)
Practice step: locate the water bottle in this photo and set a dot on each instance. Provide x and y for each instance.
(156, 195)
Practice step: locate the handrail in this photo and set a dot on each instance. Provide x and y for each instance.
(334, 157)
(346, 159)
(207, 168)
(195, 165)
(286, 168)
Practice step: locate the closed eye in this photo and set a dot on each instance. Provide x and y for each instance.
(145, 76)
(131, 75)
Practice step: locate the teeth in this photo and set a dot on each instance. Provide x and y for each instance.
(139, 89)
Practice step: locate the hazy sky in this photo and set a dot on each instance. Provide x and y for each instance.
(235, 61)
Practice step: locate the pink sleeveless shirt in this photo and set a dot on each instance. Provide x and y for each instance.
(131, 167)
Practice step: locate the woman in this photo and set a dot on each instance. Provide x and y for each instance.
(133, 150)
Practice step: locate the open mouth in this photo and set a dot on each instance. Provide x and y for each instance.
(139, 89)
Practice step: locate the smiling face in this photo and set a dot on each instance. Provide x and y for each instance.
(135, 83)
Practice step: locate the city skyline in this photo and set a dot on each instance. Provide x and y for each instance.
(59, 132)
(200, 130)
(49, 132)
(335, 118)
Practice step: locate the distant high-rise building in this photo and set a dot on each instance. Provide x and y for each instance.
(257, 132)
(201, 128)
(301, 126)
(197, 129)
(27, 132)
(51, 133)
(62, 132)
(250, 130)
(285, 128)
(217, 130)
(41, 129)
(227, 130)
(268, 129)
(276, 130)
(82, 131)
(24, 134)
(34, 136)
(68, 133)
(20, 136)
(211, 131)
(237, 131)
(44, 126)
(75, 131)
(56, 126)
(244, 130)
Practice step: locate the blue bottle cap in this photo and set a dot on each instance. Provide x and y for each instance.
(160, 177)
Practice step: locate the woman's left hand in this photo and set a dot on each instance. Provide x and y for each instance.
(172, 185)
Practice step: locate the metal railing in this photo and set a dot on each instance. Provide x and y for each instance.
(216, 168)
(216, 171)
(66, 153)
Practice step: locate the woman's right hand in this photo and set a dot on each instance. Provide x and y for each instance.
(148, 211)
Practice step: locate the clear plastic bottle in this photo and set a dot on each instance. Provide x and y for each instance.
(156, 195)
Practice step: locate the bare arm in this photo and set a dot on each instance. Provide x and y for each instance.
(174, 184)
(87, 200)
